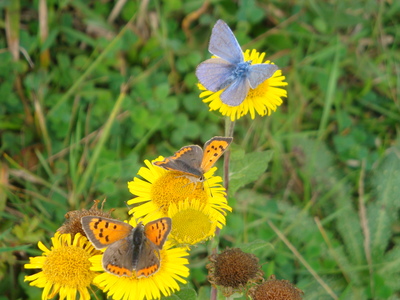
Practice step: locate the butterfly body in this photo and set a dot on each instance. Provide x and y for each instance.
(193, 161)
(137, 239)
(241, 70)
(229, 71)
(130, 250)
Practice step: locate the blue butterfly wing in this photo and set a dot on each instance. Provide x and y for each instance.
(214, 73)
(236, 92)
(224, 44)
(258, 73)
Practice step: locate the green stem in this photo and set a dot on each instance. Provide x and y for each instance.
(229, 129)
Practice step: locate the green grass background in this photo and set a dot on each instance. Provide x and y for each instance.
(325, 213)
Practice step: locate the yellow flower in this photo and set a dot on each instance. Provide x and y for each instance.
(161, 188)
(172, 269)
(193, 222)
(65, 268)
(262, 100)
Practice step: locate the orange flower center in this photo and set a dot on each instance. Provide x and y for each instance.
(68, 266)
(173, 187)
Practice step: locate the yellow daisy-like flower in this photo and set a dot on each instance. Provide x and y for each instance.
(161, 188)
(165, 281)
(65, 267)
(262, 100)
(193, 222)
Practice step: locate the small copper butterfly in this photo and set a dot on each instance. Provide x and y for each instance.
(194, 161)
(129, 248)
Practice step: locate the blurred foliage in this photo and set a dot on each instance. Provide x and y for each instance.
(326, 164)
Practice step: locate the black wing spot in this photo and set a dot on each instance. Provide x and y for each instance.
(96, 225)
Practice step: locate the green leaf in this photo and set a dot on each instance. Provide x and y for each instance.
(162, 91)
(382, 290)
(391, 266)
(183, 294)
(16, 248)
(323, 176)
(382, 213)
(248, 169)
(78, 36)
(254, 246)
(204, 293)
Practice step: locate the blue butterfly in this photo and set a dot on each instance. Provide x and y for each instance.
(229, 70)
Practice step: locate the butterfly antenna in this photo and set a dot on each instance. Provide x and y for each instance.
(193, 184)
(160, 210)
(102, 203)
(192, 180)
(127, 205)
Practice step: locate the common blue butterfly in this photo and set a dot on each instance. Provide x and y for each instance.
(229, 71)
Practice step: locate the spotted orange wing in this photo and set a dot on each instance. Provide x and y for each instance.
(186, 160)
(104, 231)
(157, 231)
(149, 260)
(213, 149)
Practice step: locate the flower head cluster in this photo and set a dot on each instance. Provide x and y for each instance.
(190, 204)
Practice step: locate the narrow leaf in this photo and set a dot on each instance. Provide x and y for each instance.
(382, 213)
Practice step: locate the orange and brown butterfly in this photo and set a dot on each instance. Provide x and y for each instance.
(131, 250)
(194, 161)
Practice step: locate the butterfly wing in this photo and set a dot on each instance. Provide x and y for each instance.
(258, 73)
(102, 232)
(155, 234)
(234, 94)
(186, 160)
(215, 73)
(224, 44)
(117, 259)
(149, 260)
(213, 149)
(157, 231)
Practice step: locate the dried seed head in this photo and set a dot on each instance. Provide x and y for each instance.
(274, 289)
(73, 224)
(233, 270)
